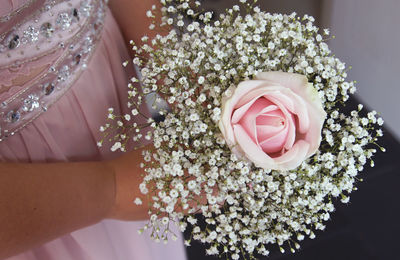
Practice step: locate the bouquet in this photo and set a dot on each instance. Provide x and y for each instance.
(255, 137)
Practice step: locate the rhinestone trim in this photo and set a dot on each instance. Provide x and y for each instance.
(62, 21)
(24, 107)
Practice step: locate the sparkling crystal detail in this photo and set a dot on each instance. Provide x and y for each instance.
(47, 29)
(75, 14)
(77, 59)
(97, 25)
(48, 88)
(87, 45)
(31, 34)
(64, 20)
(63, 74)
(14, 42)
(13, 116)
(85, 8)
(30, 103)
(87, 15)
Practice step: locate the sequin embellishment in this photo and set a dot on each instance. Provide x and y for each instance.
(23, 107)
(47, 29)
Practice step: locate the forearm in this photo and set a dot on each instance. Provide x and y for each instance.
(40, 202)
(132, 19)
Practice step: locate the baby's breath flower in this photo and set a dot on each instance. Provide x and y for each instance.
(138, 201)
(200, 66)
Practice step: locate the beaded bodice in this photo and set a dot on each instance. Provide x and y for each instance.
(44, 45)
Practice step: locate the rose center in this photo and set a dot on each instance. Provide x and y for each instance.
(271, 130)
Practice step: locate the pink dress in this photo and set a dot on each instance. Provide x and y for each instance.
(72, 51)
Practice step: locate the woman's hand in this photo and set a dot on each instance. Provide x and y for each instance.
(128, 176)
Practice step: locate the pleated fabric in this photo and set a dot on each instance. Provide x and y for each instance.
(69, 132)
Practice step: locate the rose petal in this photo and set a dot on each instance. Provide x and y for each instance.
(267, 131)
(293, 81)
(251, 108)
(228, 105)
(295, 105)
(291, 137)
(255, 131)
(289, 160)
(313, 136)
(290, 122)
(244, 92)
(247, 116)
(312, 95)
(269, 109)
(287, 98)
(300, 86)
(269, 124)
(257, 92)
(276, 142)
(252, 150)
(293, 157)
(224, 123)
(284, 98)
(274, 117)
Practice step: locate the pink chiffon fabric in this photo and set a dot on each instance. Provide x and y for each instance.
(68, 132)
(11, 5)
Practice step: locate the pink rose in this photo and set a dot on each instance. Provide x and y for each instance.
(275, 121)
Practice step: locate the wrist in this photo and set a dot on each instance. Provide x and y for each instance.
(109, 165)
(127, 175)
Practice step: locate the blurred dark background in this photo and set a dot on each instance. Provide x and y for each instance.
(368, 227)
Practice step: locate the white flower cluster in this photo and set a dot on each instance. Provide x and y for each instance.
(191, 170)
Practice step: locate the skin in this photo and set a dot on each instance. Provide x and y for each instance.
(40, 202)
(131, 16)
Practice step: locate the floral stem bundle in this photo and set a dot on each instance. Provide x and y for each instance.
(255, 138)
